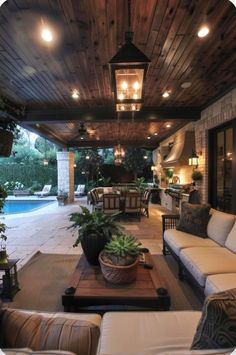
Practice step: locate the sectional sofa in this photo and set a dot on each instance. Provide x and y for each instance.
(117, 333)
(210, 263)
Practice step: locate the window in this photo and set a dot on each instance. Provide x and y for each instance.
(222, 192)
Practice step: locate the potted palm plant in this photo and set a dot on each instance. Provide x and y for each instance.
(95, 229)
(119, 260)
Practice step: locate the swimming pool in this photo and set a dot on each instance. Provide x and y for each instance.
(23, 206)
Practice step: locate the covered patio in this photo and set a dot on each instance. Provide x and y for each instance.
(124, 74)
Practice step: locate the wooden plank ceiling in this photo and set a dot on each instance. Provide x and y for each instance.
(87, 33)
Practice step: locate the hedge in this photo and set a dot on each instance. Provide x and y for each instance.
(28, 174)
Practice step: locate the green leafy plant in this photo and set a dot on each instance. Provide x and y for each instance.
(62, 195)
(123, 245)
(95, 223)
(197, 175)
(140, 184)
(122, 250)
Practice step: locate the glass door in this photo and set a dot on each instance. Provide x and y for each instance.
(222, 194)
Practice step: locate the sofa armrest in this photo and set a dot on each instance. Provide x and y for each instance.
(169, 221)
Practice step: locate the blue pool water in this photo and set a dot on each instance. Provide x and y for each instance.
(23, 206)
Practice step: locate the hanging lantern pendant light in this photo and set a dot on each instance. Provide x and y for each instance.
(128, 70)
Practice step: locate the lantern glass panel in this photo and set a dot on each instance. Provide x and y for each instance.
(129, 83)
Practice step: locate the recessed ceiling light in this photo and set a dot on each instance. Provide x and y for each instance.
(145, 157)
(186, 85)
(75, 94)
(81, 138)
(156, 134)
(203, 32)
(148, 137)
(46, 35)
(165, 94)
(168, 125)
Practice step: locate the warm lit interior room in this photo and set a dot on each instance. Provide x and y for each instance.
(117, 177)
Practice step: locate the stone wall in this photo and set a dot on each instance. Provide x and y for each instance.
(215, 115)
(65, 173)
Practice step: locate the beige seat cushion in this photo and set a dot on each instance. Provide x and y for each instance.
(230, 242)
(143, 333)
(39, 331)
(220, 282)
(219, 226)
(178, 240)
(26, 351)
(202, 262)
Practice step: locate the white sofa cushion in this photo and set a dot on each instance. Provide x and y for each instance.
(231, 239)
(139, 333)
(150, 333)
(220, 282)
(201, 262)
(107, 190)
(219, 226)
(179, 240)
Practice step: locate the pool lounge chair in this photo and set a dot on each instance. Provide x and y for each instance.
(80, 190)
(45, 191)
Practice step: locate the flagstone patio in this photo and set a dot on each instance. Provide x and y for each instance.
(46, 230)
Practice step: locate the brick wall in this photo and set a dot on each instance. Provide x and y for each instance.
(215, 115)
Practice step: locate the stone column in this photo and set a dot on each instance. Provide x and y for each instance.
(65, 173)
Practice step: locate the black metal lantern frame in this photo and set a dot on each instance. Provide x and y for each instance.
(128, 69)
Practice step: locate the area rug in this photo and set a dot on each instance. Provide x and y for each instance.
(43, 279)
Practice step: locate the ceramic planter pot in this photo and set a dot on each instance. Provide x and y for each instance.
(61, 201)
(92, 245)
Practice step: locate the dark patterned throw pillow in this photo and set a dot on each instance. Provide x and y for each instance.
(217, 326)
(194, 219)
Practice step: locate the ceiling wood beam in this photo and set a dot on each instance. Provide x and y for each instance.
(108, 114)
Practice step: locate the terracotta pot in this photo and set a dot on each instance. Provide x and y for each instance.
(118, 274)
(92, 245)
(6, 141)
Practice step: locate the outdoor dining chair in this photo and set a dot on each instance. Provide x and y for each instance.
(97, 205)
(111, 203)
(145, 202)
(133, 204)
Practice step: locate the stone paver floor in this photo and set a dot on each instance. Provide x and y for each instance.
(46, 230)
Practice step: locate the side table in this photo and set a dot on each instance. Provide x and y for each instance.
(8, 279)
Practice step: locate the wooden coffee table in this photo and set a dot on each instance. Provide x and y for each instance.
(90, 292)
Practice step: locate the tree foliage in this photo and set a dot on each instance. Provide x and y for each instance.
(134, 160)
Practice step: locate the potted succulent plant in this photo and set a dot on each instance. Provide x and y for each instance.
(62, 197)
(119, 260)
(95, 229)
(3, 237)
